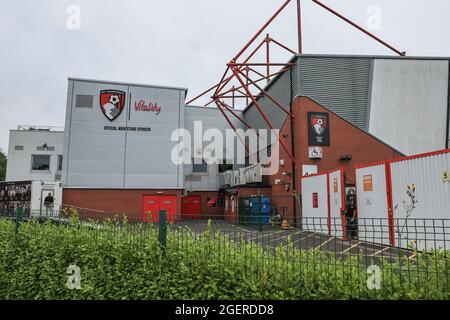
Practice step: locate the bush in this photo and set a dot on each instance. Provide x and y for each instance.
(119, 261)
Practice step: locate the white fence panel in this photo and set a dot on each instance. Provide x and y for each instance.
(315, 203)
(421, 190)
(336, 192)
(372, 203)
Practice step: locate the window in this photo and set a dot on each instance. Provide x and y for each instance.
(18, 148)
(40, 162)
(60, 162)
(84, 101)
(315, 200)
(199, 168)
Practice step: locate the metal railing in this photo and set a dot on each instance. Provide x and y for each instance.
(312, 252)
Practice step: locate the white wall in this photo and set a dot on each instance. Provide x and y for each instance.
(336, 204)
(19, 162)
(315, 219)
(409, 104)
(99, 158)
(433, 200)
(372, 205)
(211, 118)
(39, 190)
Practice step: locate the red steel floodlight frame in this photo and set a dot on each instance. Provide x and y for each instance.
(242, 72)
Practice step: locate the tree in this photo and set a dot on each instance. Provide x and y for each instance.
(2, 166)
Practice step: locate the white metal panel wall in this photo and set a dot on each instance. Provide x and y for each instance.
(36, 196)
(409, 104)
(19, 161)
(336, 204)
(211, 118)
(315, 219)
(433, 200)
(95, 157)
(372, 205)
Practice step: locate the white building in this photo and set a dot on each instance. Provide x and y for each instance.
(35, 153)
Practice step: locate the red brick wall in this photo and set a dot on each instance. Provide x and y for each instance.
(113, 201)
(344, 139)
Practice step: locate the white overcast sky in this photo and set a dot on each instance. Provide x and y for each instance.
(178, 43)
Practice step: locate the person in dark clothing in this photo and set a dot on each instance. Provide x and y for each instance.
(350, 216)
(48, 203)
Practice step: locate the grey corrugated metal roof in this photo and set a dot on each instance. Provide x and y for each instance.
(351, 56)
(129, 84)
(346, 56)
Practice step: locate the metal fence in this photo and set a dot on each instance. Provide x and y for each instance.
(358, 255)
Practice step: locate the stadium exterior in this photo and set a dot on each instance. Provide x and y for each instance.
(118, 137)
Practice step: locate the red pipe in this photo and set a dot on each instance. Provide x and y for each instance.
(358, 27)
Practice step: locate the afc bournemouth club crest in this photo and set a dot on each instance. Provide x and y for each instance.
(319, 123)
(112, 102)
(318, 129)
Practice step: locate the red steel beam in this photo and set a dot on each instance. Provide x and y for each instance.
(283, 46)
(270, 97)
(240, 119)
(299, 27)
(228, 79)
(261, 111)
(261, 31)
(219, 96)
(268, 56)
(231, 124)
(236, 116)
(358, 27)
(234, 64)
(263, 78)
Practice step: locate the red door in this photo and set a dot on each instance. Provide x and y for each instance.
(190, 207)
(154, 203)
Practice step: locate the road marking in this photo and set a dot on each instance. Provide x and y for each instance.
(248, 231)
(262, 235)
(285, 236)
(332, 238)
(350, 248)
(379, 251)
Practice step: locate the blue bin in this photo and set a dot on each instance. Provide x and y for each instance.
(260, 216)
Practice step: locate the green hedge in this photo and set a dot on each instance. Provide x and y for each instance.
(119, 261)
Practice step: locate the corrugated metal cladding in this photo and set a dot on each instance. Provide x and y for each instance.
(340, 84)
(280, 90)
(372, 203)
(409, 103)
(432, 192)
